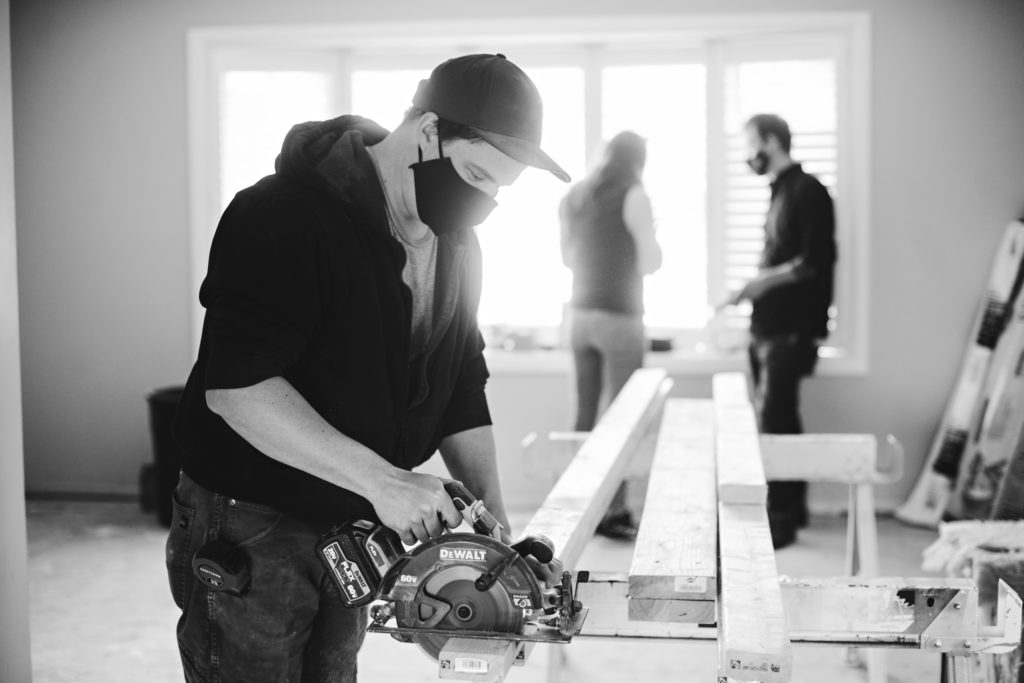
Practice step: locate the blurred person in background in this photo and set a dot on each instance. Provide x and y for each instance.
(791, 296)
(608, 242)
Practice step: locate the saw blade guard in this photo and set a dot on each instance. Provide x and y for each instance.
(436, 587)
(404, 581)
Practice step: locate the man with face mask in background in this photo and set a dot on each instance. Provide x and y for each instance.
(790, 296)
(339, 350)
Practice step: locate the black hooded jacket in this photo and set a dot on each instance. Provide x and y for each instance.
(305, 282)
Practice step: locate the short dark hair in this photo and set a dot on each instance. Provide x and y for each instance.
(447, 130)
(772, 124)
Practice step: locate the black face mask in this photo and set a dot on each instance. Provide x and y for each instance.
(759, 162)
(444, 201)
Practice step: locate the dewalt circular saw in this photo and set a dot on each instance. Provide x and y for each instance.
(470, 585)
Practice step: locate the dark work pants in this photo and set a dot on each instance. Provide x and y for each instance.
(777, 365)
(290, 625)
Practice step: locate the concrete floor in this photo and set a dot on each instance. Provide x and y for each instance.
(102, 612)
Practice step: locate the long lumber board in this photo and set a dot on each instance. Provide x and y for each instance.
(741, 476)
(676, 552)
(573, 508)
(753, 644)
(850, 458)
(611, 610)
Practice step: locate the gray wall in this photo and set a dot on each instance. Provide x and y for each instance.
(14, 636)
(103, 234)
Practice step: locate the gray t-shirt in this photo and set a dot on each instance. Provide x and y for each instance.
(419, 272)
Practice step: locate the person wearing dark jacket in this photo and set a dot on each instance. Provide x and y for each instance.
(340, 350)
(791, 297)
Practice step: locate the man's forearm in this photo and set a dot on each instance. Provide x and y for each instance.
(280, 423)
(471, 458)
(779, 275)
(776, 276)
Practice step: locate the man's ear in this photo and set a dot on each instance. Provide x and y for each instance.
(426, 132)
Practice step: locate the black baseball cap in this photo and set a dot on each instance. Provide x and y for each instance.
(495, 98)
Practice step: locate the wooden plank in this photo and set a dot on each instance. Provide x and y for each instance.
(849, 458)
(753, 644)
(473, 659)
(576, 503)
(606, 598)
(738, 450)
(574, 507)
(676, 553)
(730, 389)
(703, 612)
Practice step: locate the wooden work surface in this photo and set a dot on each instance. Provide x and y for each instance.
(703, 565)
(737, 447)
(753, 644)
(676, 547)
(704, 534)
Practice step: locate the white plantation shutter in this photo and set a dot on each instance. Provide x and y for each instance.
(802, 91)
(690, 102)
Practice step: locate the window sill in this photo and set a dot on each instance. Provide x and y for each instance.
(832, 363)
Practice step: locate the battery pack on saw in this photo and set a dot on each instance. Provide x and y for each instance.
(357, 555)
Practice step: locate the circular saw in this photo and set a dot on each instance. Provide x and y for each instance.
(460, 582)
(470, 585)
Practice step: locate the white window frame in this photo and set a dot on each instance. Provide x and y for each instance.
(667, 36)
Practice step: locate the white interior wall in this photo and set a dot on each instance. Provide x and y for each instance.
(103, 234)
(14, 632)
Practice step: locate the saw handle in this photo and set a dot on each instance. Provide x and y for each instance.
(539, 546)
(459, 494)
(473, 510)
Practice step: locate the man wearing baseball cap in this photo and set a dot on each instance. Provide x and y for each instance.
(340, 350)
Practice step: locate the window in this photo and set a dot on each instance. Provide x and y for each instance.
(257, 109)
(686, 84)
(666, 103)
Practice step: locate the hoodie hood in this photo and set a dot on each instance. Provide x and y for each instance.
(330, 157)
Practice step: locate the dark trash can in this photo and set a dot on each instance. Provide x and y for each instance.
(159, 479)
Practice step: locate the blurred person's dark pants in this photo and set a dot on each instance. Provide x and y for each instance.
(289, 626)
(778, 364)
